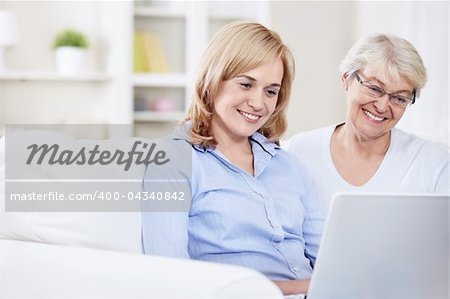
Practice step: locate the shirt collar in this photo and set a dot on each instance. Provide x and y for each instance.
(181, 132)
(268, 146)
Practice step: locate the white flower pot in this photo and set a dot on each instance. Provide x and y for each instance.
(70, 60)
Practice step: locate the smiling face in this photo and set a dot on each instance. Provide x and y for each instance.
(244, 103)
(371, 117)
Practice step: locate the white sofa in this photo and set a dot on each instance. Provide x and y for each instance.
(36, 270)
(98, 255)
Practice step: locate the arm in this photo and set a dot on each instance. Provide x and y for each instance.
(312, 231)
(164, 231)
(291, 287)
(314, 220)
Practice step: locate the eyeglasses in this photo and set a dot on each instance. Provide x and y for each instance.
(375, 91)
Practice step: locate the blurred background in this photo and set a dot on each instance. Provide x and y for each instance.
(139, 62)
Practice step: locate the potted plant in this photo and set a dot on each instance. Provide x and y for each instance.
(70, 52)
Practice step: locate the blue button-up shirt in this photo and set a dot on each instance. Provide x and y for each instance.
(270, 222)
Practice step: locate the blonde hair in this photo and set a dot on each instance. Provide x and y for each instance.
(238, 47)
(397, 57)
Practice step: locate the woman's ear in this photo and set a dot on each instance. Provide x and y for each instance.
(345, 80)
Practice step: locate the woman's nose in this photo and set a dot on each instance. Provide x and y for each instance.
(381, 104)
(256, 101)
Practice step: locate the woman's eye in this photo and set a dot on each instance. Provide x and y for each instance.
(375, 89)
(245, 85)
(272, 92)
(400, 99)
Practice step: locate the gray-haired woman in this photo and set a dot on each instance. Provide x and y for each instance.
(382, 76)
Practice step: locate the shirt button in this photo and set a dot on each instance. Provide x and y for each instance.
(276, 225)
(296, 269)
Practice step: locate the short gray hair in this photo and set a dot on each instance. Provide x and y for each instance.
(397, 56)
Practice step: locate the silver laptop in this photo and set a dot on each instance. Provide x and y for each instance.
(384, 246)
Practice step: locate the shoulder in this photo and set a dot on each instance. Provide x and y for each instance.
(289, 163)
(407, 142)
(419, 150)
(308, 138)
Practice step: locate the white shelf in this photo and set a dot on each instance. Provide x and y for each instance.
(159, 80)
(50, 76)
(149, 116)
(161, 12)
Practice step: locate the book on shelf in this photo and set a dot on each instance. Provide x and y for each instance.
(140, 63)
(149, 55)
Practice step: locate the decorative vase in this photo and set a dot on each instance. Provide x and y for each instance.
(70, 60)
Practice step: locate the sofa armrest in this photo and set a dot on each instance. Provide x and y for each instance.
(35, 270)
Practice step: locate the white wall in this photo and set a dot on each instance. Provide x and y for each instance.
(318, 34)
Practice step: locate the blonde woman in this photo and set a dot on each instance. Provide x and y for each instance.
(252, 204)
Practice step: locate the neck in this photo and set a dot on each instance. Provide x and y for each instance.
(229, 145)
(358, 144)
(238, 150)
